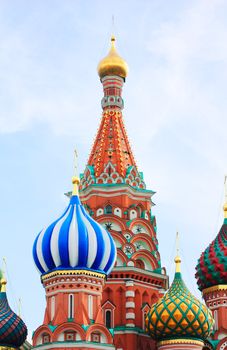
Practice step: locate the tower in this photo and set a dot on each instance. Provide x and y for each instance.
(74, 254)
(114, 193)
(211, 274)
(179, 321)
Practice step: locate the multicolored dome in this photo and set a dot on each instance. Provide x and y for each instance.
(179, 315)
(113, 64)
(13, 331)
(211, 269)
(74, 241)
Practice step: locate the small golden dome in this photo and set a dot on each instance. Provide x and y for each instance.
(113, 64)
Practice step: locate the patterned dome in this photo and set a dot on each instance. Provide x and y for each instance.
(74, 241)
(179, 315)
(13, 331)
(211, 269)
(113, 64)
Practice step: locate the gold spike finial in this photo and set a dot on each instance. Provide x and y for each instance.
(225, 203)
(75, 182)
(177, 258)
(75, 178)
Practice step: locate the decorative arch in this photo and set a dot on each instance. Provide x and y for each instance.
(144, 237)
(122, 256)
(148, 259)
(115, 219)
(72, 326)
(98, 328)
(145, 223)
(39, 333)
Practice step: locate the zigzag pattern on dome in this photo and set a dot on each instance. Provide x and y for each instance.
(211, 269)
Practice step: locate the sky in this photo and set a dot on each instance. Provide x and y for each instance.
(50, 104)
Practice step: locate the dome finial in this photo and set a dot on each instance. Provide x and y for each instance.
(177, 258)
(225, 203)
(75, 178)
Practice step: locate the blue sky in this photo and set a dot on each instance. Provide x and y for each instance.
(175, 114)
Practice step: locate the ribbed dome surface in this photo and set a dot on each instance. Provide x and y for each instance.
(74, 241)
(211, 269)
(179, 315)
(13, 331)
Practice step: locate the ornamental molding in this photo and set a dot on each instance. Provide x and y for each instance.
(181, 341)
(215, 288)
(72, 272)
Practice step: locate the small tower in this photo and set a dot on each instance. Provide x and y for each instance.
(211, 274)
(114, 192)
(179, 321)
(13, 331)
(74, 255)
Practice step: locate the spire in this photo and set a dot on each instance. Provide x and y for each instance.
(225, 203)
(177, 258)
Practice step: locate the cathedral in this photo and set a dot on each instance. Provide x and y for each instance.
(100, 264)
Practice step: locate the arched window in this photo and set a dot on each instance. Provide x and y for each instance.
(52, 308)
(108, 319)
(71, 306)
(90, 307)
(140, 264)
(108, 209)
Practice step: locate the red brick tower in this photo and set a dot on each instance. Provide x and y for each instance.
(114, 193)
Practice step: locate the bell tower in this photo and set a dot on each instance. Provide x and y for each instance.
(114, 193)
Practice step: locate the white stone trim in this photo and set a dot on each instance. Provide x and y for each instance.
(130, 293)
(129, 283)
(130, 315)
(130, 304)
(130, 325)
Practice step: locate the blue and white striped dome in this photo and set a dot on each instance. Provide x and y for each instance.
(74, 241)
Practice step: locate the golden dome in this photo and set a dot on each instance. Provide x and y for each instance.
(113, 64)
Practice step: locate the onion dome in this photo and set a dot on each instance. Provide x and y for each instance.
(74, 241)
(179, 315)
(13, 331)
(113, 64)
(211, 269)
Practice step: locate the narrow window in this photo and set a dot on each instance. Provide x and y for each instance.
(108, 319)
(108, 209)
(216, 320)
(90, 307)
(52, 308)
(71, 306)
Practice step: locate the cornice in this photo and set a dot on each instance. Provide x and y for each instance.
(181, 341)
(71, 273)
(215, 288)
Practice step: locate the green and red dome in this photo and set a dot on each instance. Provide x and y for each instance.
(211, 269)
